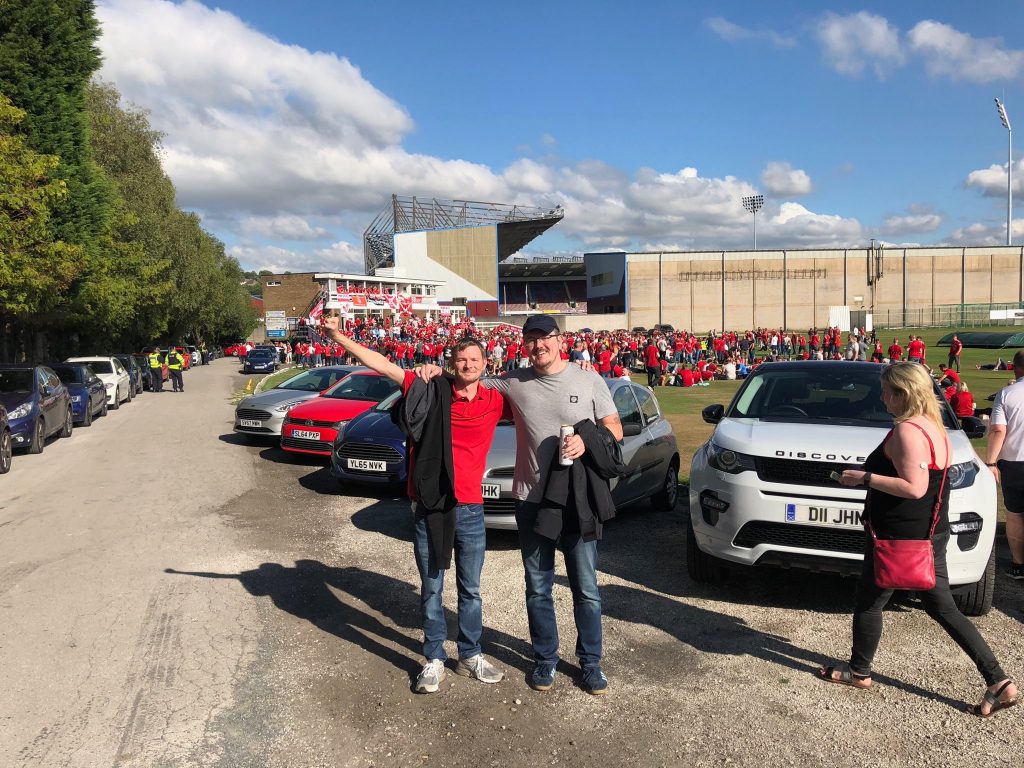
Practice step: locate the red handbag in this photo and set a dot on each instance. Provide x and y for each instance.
(907, 563)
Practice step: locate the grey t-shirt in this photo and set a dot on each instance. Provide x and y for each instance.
(540, 406)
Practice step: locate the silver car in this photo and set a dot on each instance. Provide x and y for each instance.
(648, 449)
(264, 414)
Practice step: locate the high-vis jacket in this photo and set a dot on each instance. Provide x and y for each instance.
(175, 362)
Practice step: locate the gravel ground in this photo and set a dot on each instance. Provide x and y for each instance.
(702, 675)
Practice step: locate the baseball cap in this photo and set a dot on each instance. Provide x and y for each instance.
(542, 324)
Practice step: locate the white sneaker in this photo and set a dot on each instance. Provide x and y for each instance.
(429, 679)
(480, 668)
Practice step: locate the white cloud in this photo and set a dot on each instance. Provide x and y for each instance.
(948, 52)
(783, 180)
(284, 227)
(851, 44)
(338, 257)
(547, 140)
(986, 233)
(732, 33)
(992, 180)
(913, 223)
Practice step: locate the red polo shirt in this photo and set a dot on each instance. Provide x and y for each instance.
(473, 423)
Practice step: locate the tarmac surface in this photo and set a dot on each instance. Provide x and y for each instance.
(174, 595)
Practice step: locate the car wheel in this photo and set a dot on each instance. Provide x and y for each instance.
(38, 438)
(6, 452)
(665, 499)
(976, 599)
(702, 567)
(68, 424)
(103, 407)
(87, 420)
(131, 393)
(117, 400)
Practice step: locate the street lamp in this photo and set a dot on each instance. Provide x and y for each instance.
(1009, 169)
(754, 203)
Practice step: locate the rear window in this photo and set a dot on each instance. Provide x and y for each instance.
(101, 366)
(313, 381)
(70, 374)
(16, 381)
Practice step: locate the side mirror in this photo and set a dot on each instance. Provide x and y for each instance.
(46, 390)
(974, 427)
(631, 430)
(712, 414)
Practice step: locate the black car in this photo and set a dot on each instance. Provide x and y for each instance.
(147, 374)
(134, 371)
(6, 443)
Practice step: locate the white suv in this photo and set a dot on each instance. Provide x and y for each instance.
(761, 494)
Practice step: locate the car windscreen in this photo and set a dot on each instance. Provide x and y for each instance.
(259, 352)
(369, 388)
(313, 381)
(388, 401)
(16, 380)
(101, 366)
(842, 394)
(70, 374)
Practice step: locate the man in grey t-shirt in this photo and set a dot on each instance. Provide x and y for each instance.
(544, 397)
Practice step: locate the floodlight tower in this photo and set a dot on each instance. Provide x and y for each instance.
(1001, 108)
(754, 203)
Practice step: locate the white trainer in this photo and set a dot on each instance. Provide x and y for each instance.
(480, 668)
(430, 677)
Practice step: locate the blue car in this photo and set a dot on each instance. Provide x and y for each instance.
(6, 443)
(88, 394)
(371, 448)
(37, 404)
(260, 360)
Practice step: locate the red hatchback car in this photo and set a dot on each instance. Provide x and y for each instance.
(312, 426)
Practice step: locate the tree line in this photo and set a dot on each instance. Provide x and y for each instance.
(95, 254)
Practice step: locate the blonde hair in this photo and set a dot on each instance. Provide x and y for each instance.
(915, 392)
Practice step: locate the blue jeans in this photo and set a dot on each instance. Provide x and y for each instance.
(581, 567)
(470, 544)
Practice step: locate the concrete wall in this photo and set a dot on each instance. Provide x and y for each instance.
(466, 259)
(734, 290)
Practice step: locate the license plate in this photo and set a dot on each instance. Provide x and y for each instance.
(491, 490)
(828, 516)
(366, 464)
(250, 423)
(305, 434)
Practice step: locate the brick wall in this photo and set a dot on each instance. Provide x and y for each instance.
(293, 295)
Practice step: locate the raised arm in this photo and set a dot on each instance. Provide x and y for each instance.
(373, 360)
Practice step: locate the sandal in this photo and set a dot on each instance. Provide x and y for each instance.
(846, 677)
(994, 702)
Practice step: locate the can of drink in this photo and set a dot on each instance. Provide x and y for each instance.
(565, 432)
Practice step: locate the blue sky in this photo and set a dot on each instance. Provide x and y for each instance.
(287, 126)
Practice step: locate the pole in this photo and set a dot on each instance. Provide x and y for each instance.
(755, 230)
(1009, 186)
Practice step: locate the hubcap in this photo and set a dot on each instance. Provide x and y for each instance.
(5, 452)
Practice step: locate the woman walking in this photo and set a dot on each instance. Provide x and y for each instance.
(905, 477)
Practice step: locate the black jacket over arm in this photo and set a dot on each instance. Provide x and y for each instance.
(582, 488)
(427, 419)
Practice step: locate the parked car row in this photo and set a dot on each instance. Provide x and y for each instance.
(39, 401)
(351, 421)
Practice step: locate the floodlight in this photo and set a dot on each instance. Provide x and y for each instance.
(1005, 118)
(753, 203)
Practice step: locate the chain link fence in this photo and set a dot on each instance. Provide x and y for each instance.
(952, 315)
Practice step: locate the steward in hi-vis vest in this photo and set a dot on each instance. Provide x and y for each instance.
(156, 371)
(175, 365)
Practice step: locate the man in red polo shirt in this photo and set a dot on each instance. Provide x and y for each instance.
(652, 363)
(475, 412)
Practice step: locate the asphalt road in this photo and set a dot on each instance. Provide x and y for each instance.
(171, 595)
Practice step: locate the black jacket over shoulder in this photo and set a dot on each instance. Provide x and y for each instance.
(426, 418)
(582, 488)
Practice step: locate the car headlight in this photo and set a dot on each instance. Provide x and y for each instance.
(21, 410)
(728, 460)
(340, 425)
(76, 398)
(962, 475)
(286, 406)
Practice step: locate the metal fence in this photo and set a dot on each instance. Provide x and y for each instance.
(952, 315)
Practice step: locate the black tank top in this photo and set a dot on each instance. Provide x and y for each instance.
(893, 517)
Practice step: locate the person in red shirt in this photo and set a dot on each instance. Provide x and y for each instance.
(475, 412)
(604, 362)
(915, 350)
(962, 401)
(955, 348)
(687, 376)
(651, 363)
(895, 351)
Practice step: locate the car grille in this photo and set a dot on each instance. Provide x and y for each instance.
(252, 413)
(372, 451)
(800, 536)
(303, 444)
(502, 472)
(499, 506)
(799, 472)
(309, 422)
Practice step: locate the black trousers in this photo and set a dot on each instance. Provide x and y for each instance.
(653, 376)
(938, 603)
(156, 379)
(176, 383)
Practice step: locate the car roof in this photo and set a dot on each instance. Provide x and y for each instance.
(815, 365)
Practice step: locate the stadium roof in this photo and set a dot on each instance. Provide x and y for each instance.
(517, 224)
(560, 267)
